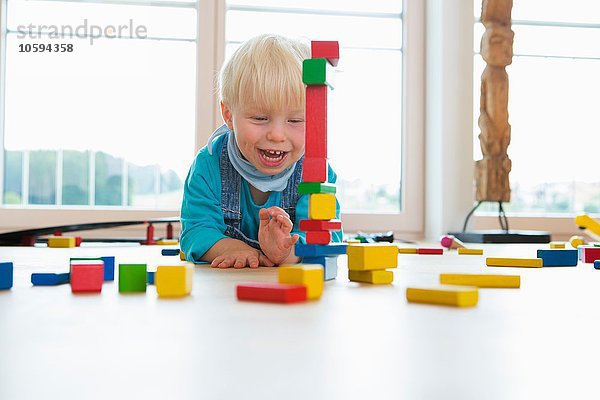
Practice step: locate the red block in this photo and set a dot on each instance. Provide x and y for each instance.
(87, 277)
(317, 225)
(316, 122)
(78, 241)
(590, 254)
(326, 49)
(271, 292)
(430, 251)
(314, 170)
(318, 237)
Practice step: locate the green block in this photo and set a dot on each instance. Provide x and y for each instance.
(132, 278)
(317, 71)
(315, 187)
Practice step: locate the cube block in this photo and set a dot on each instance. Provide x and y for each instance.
(132, 278)
(372, 256)
(310, 275)
(322, 206)
(87, 277)
(314, 169)
(481, 280)
(6, 275)
(61, 241)
(317, 71)
(329, 264)
(318, 237)
(457, 296)
(316, 187)
(271, 292)
(49, 279)
(558, 258)
(174, 280)
(375, 277)
(326, 49)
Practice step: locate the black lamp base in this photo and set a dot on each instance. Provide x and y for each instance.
(502, 236)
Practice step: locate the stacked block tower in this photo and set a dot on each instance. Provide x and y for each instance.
(317, 75)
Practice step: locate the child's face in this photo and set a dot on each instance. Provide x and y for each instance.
(269, 140)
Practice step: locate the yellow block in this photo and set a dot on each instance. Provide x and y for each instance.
(352, 241)
(376, 277)
(577, 241)
(174, 280)
(321, 206)
(482, 281)
(370, 256)
(557, 245)
(587, 222)
(181, 256)
(309, 275)
(458, 296)
(61, 241)
(475, 252)
(514, 262)
(167, 242)
(407, 250)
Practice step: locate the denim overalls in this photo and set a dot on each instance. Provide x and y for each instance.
(231, 185)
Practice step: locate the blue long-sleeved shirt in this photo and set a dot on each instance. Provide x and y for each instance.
(202, 218)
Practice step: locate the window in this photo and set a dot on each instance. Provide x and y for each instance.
(108, 121)
(553, 106)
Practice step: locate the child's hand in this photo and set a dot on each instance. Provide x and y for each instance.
(274, 234)
(242, 258)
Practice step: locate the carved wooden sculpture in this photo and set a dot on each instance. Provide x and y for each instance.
(491, 172)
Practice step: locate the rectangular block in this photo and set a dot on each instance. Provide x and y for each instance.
(170, 252)
(316, 122)
(597, 264)
(590, 254)
(429, 251)
(375, 277)
(557, 245)
(318, 237)
(49, 279)
(329, 50)
(150, 277)
(317, 71)
(132, 278)
(318, 225)
(481, 280)
(86, 277)
(558, 258)
(316, 187)
(309, 275)
(321, 206)
(61, 241)
(407, 250)
(514, 262)
(167, 242)
(472, 252)
(318, 250)
(174, 281)
(457, 296)
(371, 256)
(182, 256)
(330, 266)
(314, 169)
(6, 275)
(271, 292)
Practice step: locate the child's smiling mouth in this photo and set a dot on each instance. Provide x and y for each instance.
(272, 158)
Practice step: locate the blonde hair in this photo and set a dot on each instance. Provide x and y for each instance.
(265, 71)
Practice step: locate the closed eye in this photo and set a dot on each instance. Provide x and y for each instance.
(296, 120)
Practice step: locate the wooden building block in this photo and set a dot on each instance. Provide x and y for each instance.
(558, 258)
(316, 122)
(481, 280)
(318, 237)
(318, 225)
(317, 71)
(407, 250)
(174, 280)
(61, 241)
(309, 275)
(170, 252)
(514, 262)
(109, 264)
(182, 256)
(326, 49)
(321, 206)
(371, 256)
(475, 252)
(590, 254)
(6, 275)
(375, 277)
(584, 221)
(329, 264)
(430, 251)
(597, 264)
(316, 187)
(450, 242)
(86, 277)
(271, 292)
(557, 245)
(318, 250)
(458, 296)
(132, 278)
(577, 241)
(49, 279)
(314, 169)
(167, 242)
(150, 277)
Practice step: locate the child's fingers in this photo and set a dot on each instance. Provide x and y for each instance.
(264, 260)
(240, 262)
(253, 261)
(274, 211)
(217, 261)
(286, 222)
(289, 242)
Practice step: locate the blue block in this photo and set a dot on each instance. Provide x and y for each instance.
(320, 250)
(150, 278)
(109, 268)
(329, 265)
(597, 264)
(49, 279)
(170, 252)
(6, 275)
(558, 258)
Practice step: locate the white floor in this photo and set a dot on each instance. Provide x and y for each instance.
(357, 342)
